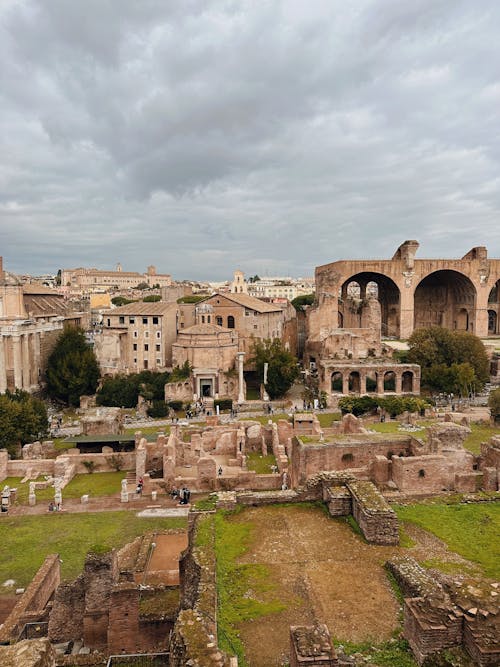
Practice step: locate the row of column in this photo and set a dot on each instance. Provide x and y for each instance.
(398, 379)
(26, 351)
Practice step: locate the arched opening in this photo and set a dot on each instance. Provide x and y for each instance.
(230, 322)
(341, 320)
(354, 382)
(445, 299)
(407, 382)
(492, 322)
(218, 320)
(337, 382)
(389, 381)
(371, 382)
(368, 297)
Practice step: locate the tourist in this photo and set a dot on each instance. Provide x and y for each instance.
(219, 472)
(51, 506)
(174, 493)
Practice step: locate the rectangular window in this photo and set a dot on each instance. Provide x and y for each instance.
(146, 348)
(134, 346)
(145, 363)
(131, 320)
(155, 320)
(158, 361)
(247, 313)
(122, 319)
(109, 322)
(144, 320)
(146, 334)
(158, 334)
(158, 347)
(135, 334)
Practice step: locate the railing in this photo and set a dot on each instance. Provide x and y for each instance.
(34, 631)
(139, 660)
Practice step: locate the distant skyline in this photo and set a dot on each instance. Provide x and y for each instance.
(207, 136)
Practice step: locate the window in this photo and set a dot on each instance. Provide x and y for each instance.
(209, 317)
(145, 363)
(134, 347)
(247, 313)
(158, 361)
(109, 322)
(203, 319)
(255, 326)
(135, 361)
(131, 320)
(146, 348)
(158, 334)
(219, 321)
(122, 319)
(158, 347)
(144, 320)
(135, 334)
(230, 322)
(155, 320)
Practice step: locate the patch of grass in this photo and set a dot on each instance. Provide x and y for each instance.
(259, 463)
(148, 430)
(479, 433)
(405, 540)
(244, 590)
(264, 419)
(206, 504)
(326, 419)
(470, 530)
(448, 567)
(25, 541)
(98, 484)
(394, 653)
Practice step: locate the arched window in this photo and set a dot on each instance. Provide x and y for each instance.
(230, 322)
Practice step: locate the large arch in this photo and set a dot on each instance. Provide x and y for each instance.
(382, 288)
(445, 298)
(494, 310)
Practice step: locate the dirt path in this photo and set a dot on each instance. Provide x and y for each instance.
(321, 570)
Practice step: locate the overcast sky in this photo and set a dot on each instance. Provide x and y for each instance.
(204, 136)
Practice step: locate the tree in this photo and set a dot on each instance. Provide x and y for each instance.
(302, 300)
(121, 301)
(451, 361)
(23, 419)
(72, 368)
(494, 404)
(283, 366)
(152, 298)
(124, 390)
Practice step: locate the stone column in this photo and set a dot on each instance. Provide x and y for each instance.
(480, 325)
(398, 383)
(3, 367)
(25, 342)
(36, 356)
(345, 382)
(16, 346)
(380, 383)
(407, 312)
(362, 383)
(241, 391)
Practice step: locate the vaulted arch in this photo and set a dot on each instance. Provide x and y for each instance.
(447, 299)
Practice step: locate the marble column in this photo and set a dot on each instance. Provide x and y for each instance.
(16, 346)
(3, 366)
(241, 391)
(25, 342)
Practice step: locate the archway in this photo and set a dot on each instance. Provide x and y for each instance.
(492, 322)
(337, 382)
(354, 382)
(494, 309)
(371, 382)
(372, 287)
(445, 299)
(407, 382)
(389, 381)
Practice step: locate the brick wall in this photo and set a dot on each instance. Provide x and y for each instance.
(430, 629)
(123, 629)
(377, 521)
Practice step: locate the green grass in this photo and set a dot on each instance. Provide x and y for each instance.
(470, 530)
(97, 484)
(326, 419)
(261, 464)
(448, 567)
(479, 433)
(264, 419)
(395, 653)
(147, 430)
(25, 541)
(244, 591)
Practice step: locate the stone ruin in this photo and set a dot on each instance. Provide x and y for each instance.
(102, 421)
(439, 615)
(311, 646)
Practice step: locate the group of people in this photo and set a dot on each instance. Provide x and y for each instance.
(184, 495)
(54, 507)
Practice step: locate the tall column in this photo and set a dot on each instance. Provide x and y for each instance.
(345, 382)
(3, 367)
(36, 357)
(362, 383)
(241, 392)
(16, 346)
(25, 341)
(407, 312)
(398, 380)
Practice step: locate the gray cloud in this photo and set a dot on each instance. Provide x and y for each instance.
(272, 137)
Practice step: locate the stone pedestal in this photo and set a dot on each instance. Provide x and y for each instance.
(32, 499)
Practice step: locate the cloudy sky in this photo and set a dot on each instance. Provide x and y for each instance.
(271, 136)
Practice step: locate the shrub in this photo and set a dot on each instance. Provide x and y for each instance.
(158, 409)
(176, 406)
(224, 403)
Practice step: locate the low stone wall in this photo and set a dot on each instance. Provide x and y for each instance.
(429, 629)
(378, 522)
(338, 500)
(194, 639)
(28, 653)
(413, 580)
(34, 600)
(481, 639)
(36, 467)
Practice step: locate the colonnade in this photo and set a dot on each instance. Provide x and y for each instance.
(22, 351)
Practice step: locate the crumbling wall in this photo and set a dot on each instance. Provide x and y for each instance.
(378, 522)
(431, 628)
(66, 616)
(28, 653)
(34, 600)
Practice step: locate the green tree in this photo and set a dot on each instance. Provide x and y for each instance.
(121, 301)
(302, 300)
(23, 419)
(72, 368)
(124, 390)
(451, 361)
(494, 404)
(152, 298)
(283, 367)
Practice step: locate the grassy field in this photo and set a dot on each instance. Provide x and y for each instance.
(261, 464)
(96, 484)
(26, 540)
(471, 530)
(479, 433)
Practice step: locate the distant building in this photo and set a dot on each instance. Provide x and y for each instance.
(93, 280)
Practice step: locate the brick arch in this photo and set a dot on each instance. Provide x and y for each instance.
(388, 294)
(445, 298)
